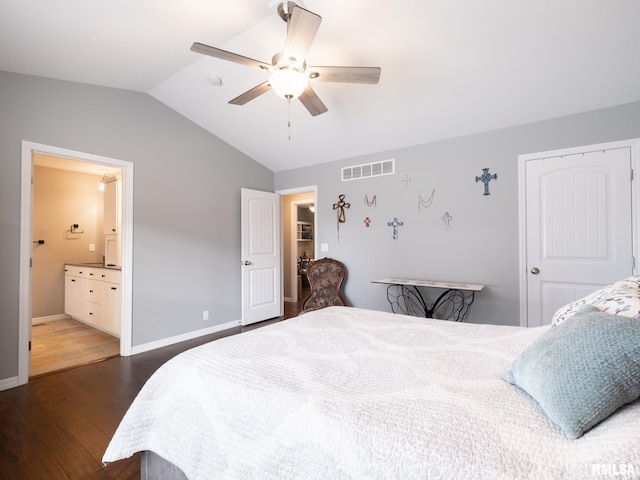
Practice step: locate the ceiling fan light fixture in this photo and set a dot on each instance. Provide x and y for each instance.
(289, 76)
(288, 83)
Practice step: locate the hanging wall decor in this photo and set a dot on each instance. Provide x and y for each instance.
(395, 224)
(367, 222)
(339, 207)
(422, 203)
(485, 178)
(370, 203)
(406, 179)
(446, 218)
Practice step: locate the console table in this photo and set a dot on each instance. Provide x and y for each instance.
(452, 304)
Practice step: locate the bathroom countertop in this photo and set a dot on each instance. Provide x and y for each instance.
(94, 265)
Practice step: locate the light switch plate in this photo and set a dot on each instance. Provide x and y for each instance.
(92, 247)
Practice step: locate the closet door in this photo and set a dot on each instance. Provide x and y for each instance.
(578, 226)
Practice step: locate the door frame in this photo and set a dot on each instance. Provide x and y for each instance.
(633, 145)
(293, 257)
(26, 229)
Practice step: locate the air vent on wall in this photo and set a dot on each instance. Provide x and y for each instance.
(367, 170)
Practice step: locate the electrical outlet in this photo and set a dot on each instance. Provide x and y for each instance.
(205, 315)
(324, 247)
(92, 247)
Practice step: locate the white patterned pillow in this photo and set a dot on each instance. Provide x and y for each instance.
(619, 298)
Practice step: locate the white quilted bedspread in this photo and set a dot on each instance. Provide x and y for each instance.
(345, 393)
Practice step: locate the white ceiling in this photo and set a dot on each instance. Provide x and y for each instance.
(449, 67)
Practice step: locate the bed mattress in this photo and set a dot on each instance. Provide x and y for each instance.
(358, 394)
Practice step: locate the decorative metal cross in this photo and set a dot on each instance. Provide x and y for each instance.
(395, 224)
(339, 206)
(446, 218)
(486, 177)
(367, 222)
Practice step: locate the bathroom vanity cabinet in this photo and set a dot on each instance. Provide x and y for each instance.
(93, 296)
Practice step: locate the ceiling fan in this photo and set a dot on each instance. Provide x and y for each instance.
(289, 75)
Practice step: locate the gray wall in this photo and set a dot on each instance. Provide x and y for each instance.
(482, 244)
(186, 201)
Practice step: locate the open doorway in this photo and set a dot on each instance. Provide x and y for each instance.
(76, 211)
(304, 247)
(299, 240)
(73, 180)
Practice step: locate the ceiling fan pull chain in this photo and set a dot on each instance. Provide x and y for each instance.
(289, 115)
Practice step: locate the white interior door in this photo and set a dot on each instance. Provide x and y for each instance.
(261, 256)
(579, 229)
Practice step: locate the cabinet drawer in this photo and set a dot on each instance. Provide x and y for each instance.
(93, 313)
(75, 271)
(93, 291)
(111, 276)
(93, 273)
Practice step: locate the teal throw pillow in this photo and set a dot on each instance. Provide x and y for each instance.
(583, 370)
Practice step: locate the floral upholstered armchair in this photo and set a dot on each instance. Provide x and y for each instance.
(325, 279)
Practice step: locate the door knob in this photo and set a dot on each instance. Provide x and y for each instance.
(535, 270)
(246, 262)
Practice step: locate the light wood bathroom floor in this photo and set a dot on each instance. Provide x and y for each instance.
(62, 344)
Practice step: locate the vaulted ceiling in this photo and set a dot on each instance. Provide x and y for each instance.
(449, 67)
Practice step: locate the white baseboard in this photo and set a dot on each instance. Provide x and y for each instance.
(165, 342)
(48, 318)
(7, 383)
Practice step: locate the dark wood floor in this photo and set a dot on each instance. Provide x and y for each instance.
(58, 426)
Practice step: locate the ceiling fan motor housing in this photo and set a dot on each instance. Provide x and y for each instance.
(291, 63)
(284, 10)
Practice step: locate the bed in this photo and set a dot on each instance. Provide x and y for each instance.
(351, 393)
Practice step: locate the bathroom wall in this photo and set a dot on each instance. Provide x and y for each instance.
(60, 199)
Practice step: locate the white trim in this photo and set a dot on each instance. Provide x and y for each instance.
(633, 145)
(24, 306)
(165, 342)
(49, 318)
(7, 383)
(293, 259)
(24, 328)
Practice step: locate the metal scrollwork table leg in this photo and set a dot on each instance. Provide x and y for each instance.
(452, 304)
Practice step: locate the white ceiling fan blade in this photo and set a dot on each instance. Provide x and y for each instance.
(302, 26)
(370, 75)
(251, 94)
(312, 102)
(229, 56)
